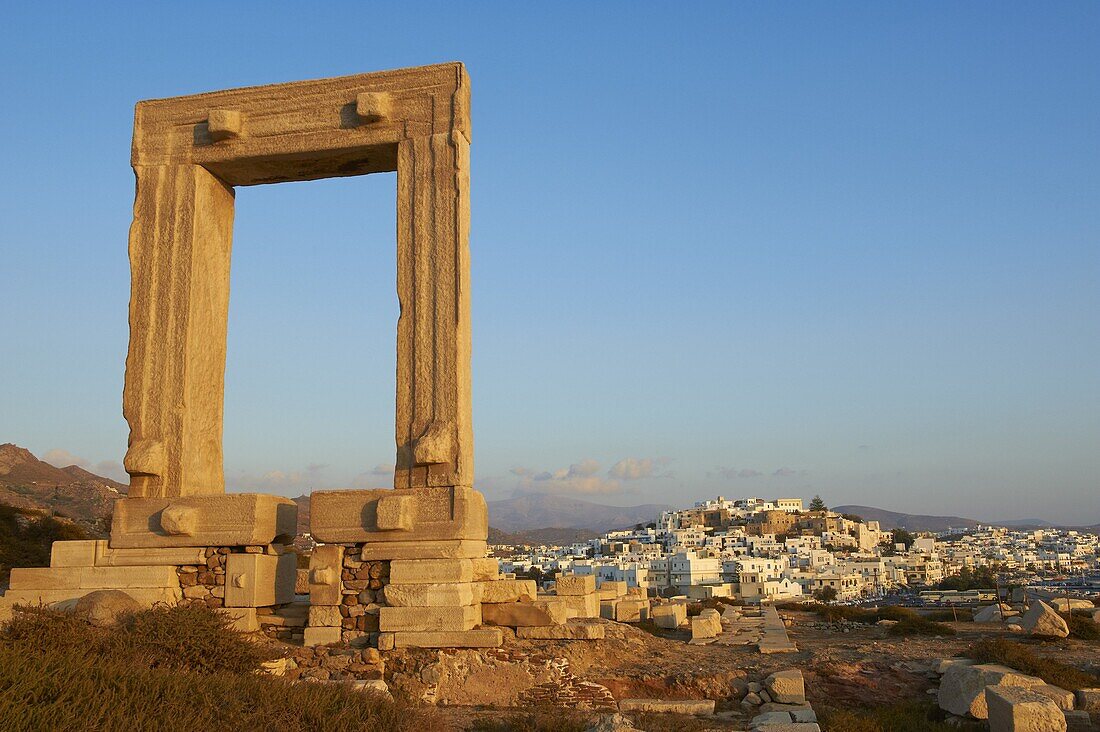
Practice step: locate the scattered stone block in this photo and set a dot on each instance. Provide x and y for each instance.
(386, 641)
(668, 706)
(1021, 709)
(631, 610)
(770, 718)
(786, 687)
(524, 614)
(506, 590)
(612, 589)
(321, 636)
(1068, 604)
(430, 571)
(578, 606)
(449, 594)
(480, 638)
(1088, 699)
(1041, 620)
(575, 584)
(1062, 699)
(1078, 721)
(941, 666)
(670, 616)
(962, 688)
(570, 631)
(434, 619)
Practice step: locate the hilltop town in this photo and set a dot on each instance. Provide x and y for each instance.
(754, 550)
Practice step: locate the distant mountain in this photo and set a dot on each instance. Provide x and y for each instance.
(538, 511)
(70, 492)
(909, 521)
(541, 537)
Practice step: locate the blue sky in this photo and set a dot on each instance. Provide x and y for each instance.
(850, 249)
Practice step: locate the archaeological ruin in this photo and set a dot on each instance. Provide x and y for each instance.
(401, 567)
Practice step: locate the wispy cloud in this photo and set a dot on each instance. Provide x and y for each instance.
(63, 458)
(579, 478)
(638, 468)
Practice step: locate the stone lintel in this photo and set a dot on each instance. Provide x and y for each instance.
(400, 515)
(237, 519)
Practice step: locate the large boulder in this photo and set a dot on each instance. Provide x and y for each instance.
(994, 613)
(962, 688)
(1020, 709)
(1042, 620)
(106, 607)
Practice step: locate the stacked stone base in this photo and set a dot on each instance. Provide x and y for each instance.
(236, 579)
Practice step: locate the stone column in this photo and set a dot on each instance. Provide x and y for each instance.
(180, 244)
(434, 432)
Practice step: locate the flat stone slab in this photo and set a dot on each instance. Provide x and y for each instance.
(671, 706)
(479, 638)
(577, 631)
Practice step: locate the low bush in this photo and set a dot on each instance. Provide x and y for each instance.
(1024, 659)
(908, 716)
(920, 626)
(166, 669)
(1081, 625)
(163, 637)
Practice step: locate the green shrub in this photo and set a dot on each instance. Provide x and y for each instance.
(26, 538)
(920, 626)
(1022, 658)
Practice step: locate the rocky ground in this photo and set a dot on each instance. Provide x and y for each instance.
(846, 665)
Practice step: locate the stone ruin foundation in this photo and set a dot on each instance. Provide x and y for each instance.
(395, 568)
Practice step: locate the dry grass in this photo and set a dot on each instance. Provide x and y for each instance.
(537, 719)
(1081, 625)
(166, 669)
(1024, 659)
(908, 716)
